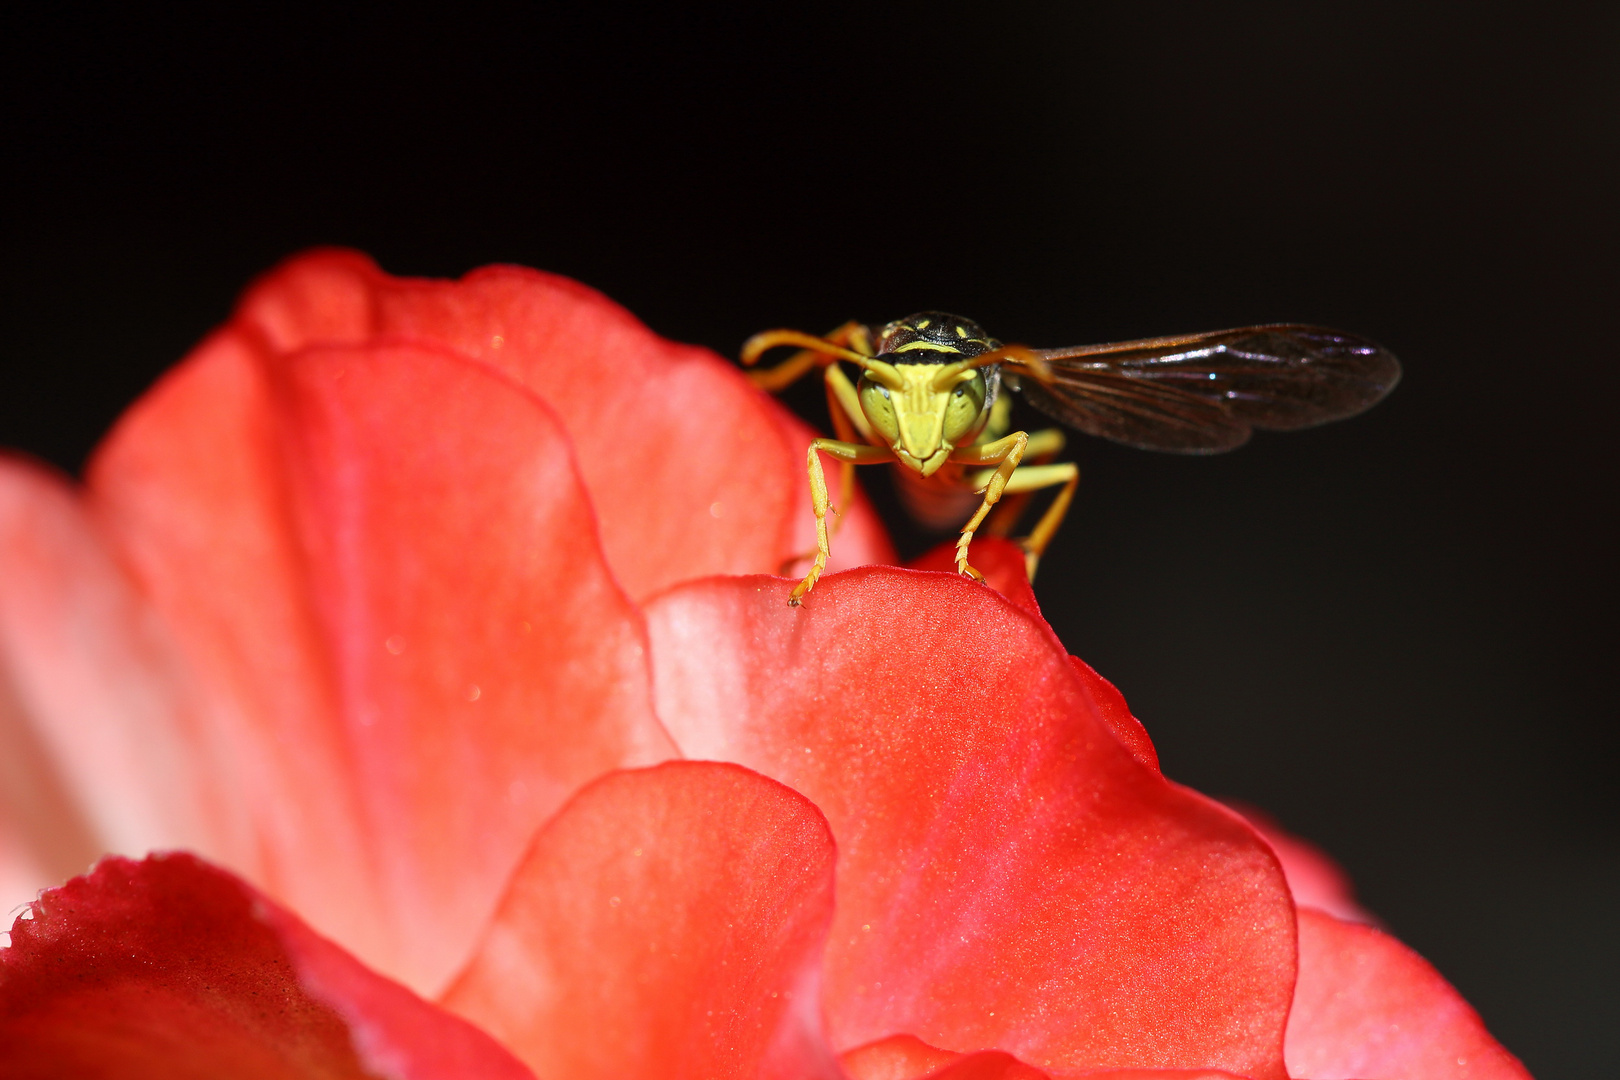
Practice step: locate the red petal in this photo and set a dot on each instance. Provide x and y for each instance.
(1313, 877)
(22, 873)
(899, 1057)
(104, 745)
(1010, 876)
(667, 923)
(169, 967)
(691, 470)
(383, 565)
(906, 1057)
(1112, 711)
(1002, 565)
(1367, 1006)
(988, 1065)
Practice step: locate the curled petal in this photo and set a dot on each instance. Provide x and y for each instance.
(1367, 1005)
(169, 967)
(1010, 876)
(691, 470)
(667, 923)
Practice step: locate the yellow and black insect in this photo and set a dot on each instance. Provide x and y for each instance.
(929, 398)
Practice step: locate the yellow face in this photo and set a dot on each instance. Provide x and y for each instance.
(921, 421)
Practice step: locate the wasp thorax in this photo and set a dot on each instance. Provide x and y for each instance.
(933, 337)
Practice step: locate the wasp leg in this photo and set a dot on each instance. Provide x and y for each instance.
(842, 451)
(1043, 447)
(774, 380)
(850, 425)
(1005, 454)
(1034, 478)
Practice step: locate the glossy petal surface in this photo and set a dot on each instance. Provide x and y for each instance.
(383, 567)
(1367, 1006)
(691, 470)
(1010, 875)
(668, 923)
(169, 968)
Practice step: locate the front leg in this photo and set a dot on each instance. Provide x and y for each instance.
(854, 454)
(1034, 478)
(1043, 446)
(1005, 454)
(850, 425)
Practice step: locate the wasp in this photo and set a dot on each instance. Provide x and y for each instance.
(929, 398)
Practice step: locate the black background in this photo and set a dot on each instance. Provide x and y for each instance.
(1397, 633)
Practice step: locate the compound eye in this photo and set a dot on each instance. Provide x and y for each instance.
(963, 409)
(879, 408)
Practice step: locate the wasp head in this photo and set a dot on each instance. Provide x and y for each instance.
(927, 398)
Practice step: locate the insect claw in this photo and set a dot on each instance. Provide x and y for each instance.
(800, 591)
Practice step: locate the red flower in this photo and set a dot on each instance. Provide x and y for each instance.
(391, 598)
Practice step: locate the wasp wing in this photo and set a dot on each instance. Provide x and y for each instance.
(1204, 393)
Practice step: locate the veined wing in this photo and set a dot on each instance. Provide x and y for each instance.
(1204, 393)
